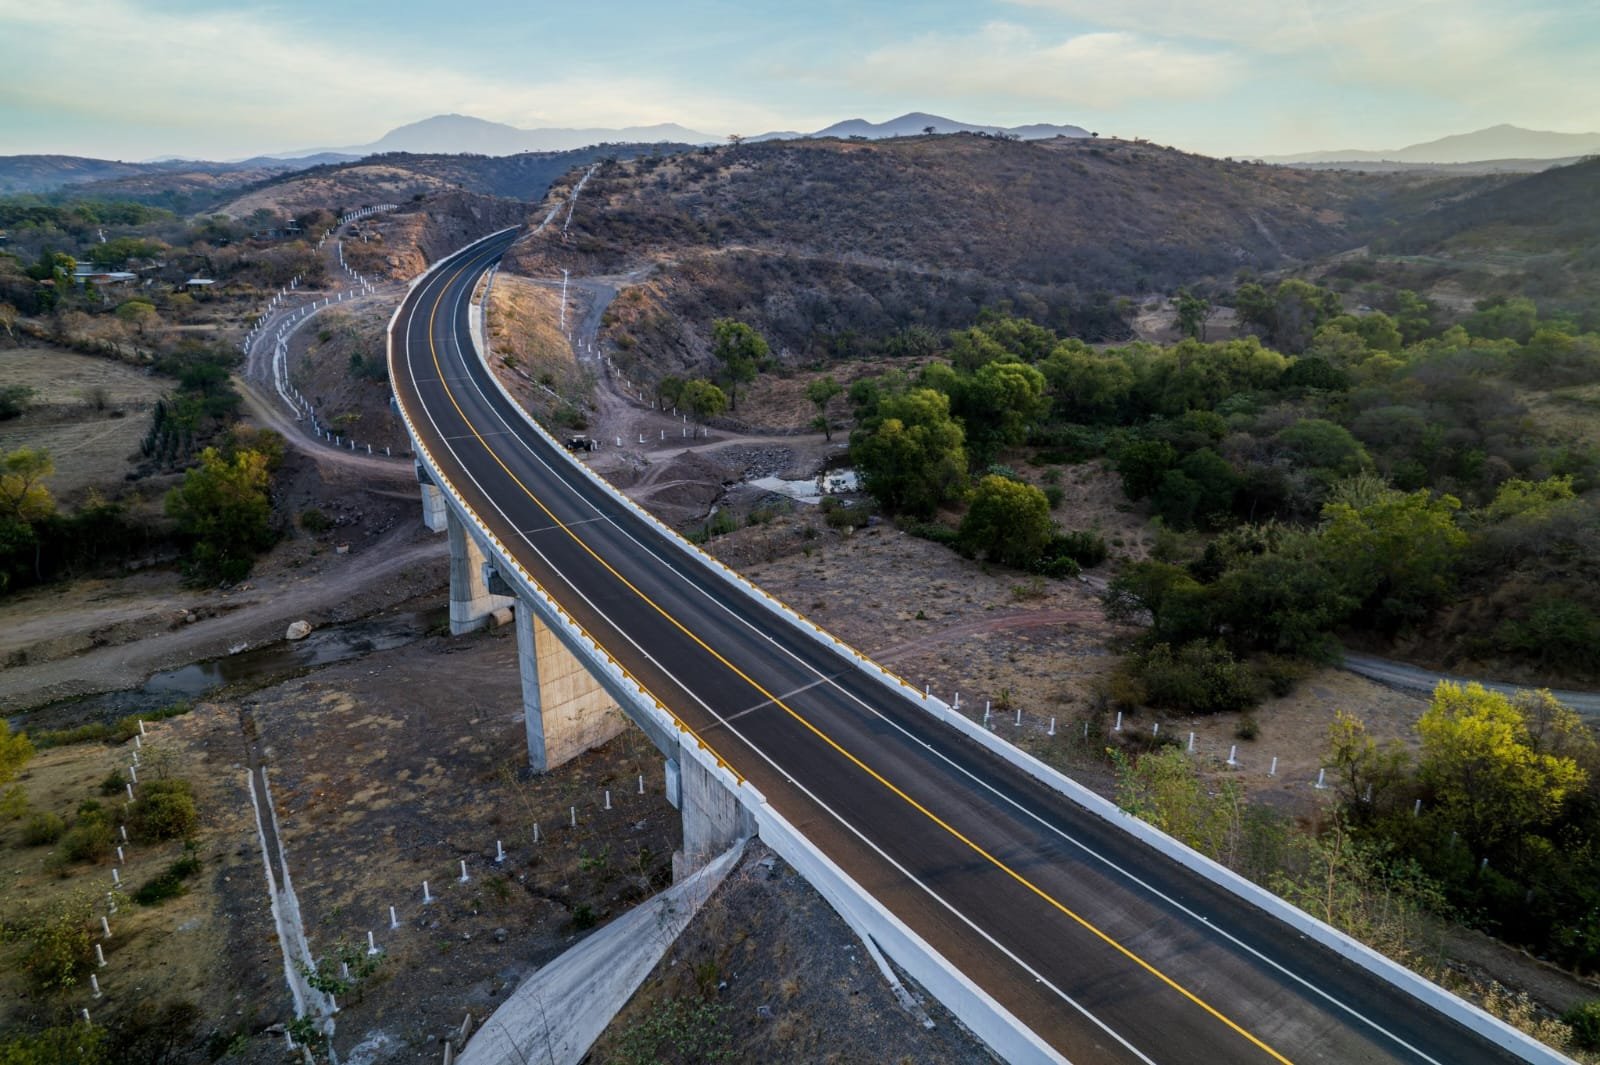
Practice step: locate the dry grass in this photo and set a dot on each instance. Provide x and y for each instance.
(89, 413)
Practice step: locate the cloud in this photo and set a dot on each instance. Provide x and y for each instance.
(1504, 54)
(128, 61)
(1007, 61)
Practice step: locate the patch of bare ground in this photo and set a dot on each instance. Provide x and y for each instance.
(789, 983)
(394, 769)
(90, 413)
(213, 946)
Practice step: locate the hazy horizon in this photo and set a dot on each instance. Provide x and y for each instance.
(226, 80)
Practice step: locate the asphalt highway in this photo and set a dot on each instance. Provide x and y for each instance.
(1106, 949)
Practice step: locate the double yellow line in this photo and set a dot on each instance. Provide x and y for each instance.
(824, 737)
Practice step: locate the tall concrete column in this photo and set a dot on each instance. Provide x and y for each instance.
(433, 508)
(470, 600)
(565, 709)
(713, 817)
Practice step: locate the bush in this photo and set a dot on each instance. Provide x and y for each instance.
(1200, 677)
(89, 840)
(932, 530)
(42, 829)
(114, 783)
(169, 885)
(315, 521)
(1087, 549)
(58, 942)
(1062, 569)
(165, 810)
(1584, 1021)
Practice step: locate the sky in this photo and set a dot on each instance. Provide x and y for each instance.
(222, 79)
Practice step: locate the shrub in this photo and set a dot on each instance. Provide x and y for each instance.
(114, 783)
(42, 829)
(89, 840)
(58, 944)
(169, 884)
(1200, 677)
(165, 810)
(1062, 569)
(1584, 1021)
(1054, 494)
(1087, 549)
(314, 521)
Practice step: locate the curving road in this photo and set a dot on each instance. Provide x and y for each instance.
(1106, 949)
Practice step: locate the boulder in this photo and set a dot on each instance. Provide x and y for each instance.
(298, 630)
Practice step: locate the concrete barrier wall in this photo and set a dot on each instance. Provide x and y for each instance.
(1452, 1006)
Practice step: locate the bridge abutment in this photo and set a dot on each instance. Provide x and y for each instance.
(471, 602)
(565, 709)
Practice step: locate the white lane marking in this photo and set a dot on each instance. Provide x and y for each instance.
(830, 680)
(852, 829)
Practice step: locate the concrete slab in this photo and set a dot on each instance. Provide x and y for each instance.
(558, 1013)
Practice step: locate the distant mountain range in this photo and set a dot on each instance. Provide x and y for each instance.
(449, 134)
(46, 173)
(1496, 142)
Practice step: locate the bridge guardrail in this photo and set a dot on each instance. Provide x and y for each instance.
(1453, 1006)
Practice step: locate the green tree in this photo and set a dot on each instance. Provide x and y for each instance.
(1199, 491)
(1089, 386)
(1414, 316)
(704, 399)
(1163, 789)
(1193, 313)
(820, 392)
(1489, 779)
(1516, 318)
(998, 403)
(15, 750)
(1290, 315)
(912, 453)
(1008, 522)
(1167, 598)
(1396, 555)
(1143, 464)
(223, 505)
(1515, 497)
(669, 391)
(1365, 772)
(1283, 601)
(742, 352)
(1324, 445)
(23, 494)
(139, 314)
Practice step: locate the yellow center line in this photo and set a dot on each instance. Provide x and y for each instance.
(825, 738)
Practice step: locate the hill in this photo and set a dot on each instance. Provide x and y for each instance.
(451, 134)
(401, 176)
(917, 123)
(832, 247)
(1495, 142)
(1536, 236)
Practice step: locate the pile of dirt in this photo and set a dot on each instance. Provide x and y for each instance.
(769, 972)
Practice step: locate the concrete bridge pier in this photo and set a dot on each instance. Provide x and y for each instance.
(564, 707)
(713, 817)
(471, 602)
(433, 508)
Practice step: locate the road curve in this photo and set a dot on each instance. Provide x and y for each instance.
(1107, 950)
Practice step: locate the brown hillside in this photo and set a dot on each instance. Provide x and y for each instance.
(826, 244)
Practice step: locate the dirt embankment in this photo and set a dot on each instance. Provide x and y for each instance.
(403, 243)
(768, 972)
(339, 361)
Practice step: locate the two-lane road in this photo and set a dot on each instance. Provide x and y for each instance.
(1106, 949)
